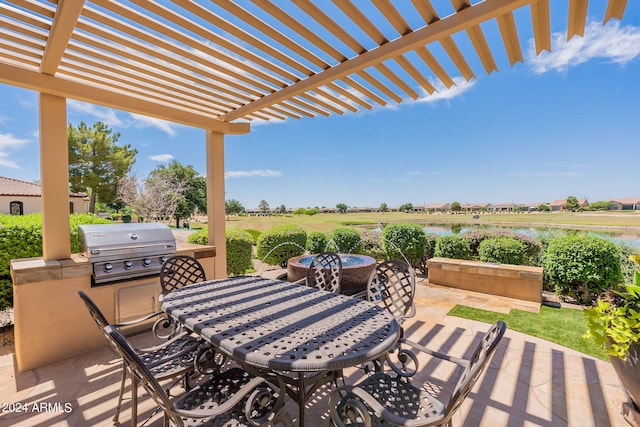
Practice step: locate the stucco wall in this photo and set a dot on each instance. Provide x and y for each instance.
(33, 204)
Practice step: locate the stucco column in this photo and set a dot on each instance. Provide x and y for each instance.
(54, 174)
(215, 200)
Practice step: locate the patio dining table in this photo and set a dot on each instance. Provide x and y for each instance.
(305, 335)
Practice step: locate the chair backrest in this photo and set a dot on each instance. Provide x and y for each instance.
(393, 285)
(179, 271)
(138, 368)
(94, 311)
(325, 272)
(477, 363)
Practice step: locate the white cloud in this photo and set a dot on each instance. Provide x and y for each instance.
(253, 173)
(163, 125)
(443, 93)
(615, 43)
(162, 157)
(7, 143)
(105, 115)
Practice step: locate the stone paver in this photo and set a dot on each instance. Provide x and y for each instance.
(530, 382)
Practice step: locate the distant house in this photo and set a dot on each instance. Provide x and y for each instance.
(560, 205)
(436, 207)
(626, 204)
(21, 198)
(502, 207)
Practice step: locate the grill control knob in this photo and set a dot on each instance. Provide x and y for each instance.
(128, 265)
(146, 262)
(108, 267)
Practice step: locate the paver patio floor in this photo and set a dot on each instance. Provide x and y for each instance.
(530, 382)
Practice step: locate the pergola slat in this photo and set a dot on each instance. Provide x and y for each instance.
(456, 56)
(363, 90)
(482, 48)
(342, 91)
(391, 13)
(615, 9)
(206, 34)
(349, 9)
(435, 66)
(413, 72)
(507, 26)
(64, 22)
(192, 43)
(577, 18)
(325, 94)
(541, 21)
(396, 80)
(308, 106)
(379, 85)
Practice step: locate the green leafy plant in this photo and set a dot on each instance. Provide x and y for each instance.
(372, 245)
(276, 245)
(345, 240)
(199, 237)
(317, 242)
(503, 250)
(614, 322)
(582, 267)
(405, 240)
(239, 246)
(453, 246)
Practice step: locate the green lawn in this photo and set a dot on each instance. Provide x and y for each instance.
(563, 326)
(629, 221)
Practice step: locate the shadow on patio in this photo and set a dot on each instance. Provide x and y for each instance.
(529, 381)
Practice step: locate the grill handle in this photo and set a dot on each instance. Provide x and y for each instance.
(97, 251)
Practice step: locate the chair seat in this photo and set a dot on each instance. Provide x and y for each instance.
(400, 398)
(215, 392)
(162, 360)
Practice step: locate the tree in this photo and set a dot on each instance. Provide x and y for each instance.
(193, 194)
(406, 207)
(154, 198)
(96, 162)
(383, 208)
(342, 208)
(544, 208)
(233, 207)
(263, 206)
(572, 203)
(456, 207)
(282, 209)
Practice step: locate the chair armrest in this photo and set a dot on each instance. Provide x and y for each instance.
(443, 356)
(360, 295)
(302, 281)
(140, 320)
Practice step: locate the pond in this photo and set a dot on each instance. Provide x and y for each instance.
(622, 237)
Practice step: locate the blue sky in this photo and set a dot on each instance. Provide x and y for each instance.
(565, 123)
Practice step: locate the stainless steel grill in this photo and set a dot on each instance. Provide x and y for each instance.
(125, 251)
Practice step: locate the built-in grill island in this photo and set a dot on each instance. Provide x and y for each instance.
(120, 252)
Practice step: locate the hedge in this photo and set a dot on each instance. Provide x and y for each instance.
(239, 246)
(372, 245)
(405, 241)
(345, 240)
(504, 250)
(582, 267)
(317, 242)
(452, 246)
(276, 245)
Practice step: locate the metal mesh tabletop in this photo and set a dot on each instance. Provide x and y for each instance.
(283, 326)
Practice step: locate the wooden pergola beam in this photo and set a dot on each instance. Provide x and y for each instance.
(436, 31)
(64, 21)
(64, 88)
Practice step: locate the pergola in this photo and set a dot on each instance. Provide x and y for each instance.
(220, 64)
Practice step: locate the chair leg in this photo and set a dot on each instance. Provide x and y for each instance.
(119, 405)
(134, 400)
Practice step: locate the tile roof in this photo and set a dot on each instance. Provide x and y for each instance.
(15, 187)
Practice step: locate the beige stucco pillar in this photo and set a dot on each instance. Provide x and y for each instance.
(215, 200)
(54, 174)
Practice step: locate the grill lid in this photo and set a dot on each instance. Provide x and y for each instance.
(105, 242)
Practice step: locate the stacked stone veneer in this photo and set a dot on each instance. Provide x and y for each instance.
(514, 281)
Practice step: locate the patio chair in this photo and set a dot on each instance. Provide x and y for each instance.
(175, 358)
(390, 399)
(176, 272)
(392, 285)
(179, 271)
(232, 397)
(325, 272)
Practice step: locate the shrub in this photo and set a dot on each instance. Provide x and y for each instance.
(239, 246)
(276, 245)
(582, 267)
(199, 237)
(6, 294)
(317, 242)
(372, 245)
(345, 240)
(452, 246)
(431, 245)
(405, 240)
(504, 250)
